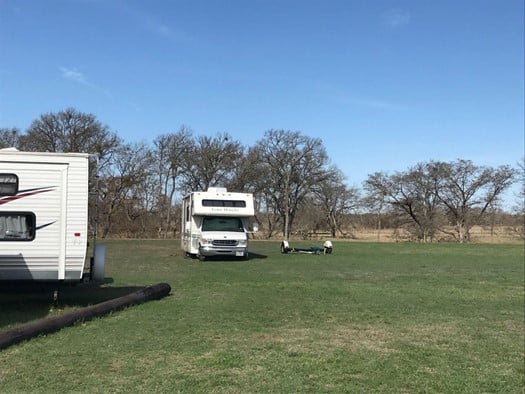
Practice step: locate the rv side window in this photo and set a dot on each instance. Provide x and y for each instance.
(17, 226)
(8, 184)
(224, 203)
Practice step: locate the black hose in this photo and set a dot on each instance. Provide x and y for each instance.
(52, 324)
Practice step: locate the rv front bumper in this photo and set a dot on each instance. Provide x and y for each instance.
(211, 251)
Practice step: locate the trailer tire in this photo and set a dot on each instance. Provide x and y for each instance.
(99, 263)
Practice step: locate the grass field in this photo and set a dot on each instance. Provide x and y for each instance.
(371, 317)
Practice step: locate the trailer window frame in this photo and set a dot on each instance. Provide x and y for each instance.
(8, 184)
(28, 226)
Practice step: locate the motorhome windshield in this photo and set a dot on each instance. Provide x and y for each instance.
(219, 223)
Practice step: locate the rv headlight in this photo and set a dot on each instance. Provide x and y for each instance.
(205, 241)
(242, 242)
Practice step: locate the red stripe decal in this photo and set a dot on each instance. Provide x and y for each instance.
(25, 193)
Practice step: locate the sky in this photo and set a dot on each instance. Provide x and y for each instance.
(384, 84)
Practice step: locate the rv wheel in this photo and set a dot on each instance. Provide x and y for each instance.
(201, 257)
(99, 262)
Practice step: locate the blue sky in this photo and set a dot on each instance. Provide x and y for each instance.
(385, 84)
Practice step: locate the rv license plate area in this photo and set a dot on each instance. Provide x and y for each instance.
(239, 254)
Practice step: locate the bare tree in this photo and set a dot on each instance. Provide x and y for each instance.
(425, 206)
(413, 194)
(467, 191)
(374, 201)
(292, 164)
(169, 154)
(246, 175)
(336, 200)
(520, 171)
(9, 138)
(122, 188)
(210, 161)
(519, 208)
(71, 131)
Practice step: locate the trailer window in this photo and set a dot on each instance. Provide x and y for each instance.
(224, 203)
(8, 184)
(17, 226)
(215, 223)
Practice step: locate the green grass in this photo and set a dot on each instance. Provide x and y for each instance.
(369, 318)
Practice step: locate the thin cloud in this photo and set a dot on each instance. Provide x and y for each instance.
(157, 27)
(72, 74)
(152, 24)
(373, 103)
(167, 32)
(396, 18)
(349, 99)
(133, 105)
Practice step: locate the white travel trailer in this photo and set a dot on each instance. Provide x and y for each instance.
(44, 217)
(216, 223)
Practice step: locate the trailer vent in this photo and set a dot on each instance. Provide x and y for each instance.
(224, 242)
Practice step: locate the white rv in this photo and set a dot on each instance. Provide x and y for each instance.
(216, 223)
(44, 216)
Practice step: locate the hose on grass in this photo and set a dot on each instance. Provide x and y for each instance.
(48, 325)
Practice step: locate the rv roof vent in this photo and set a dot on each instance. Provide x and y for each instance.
(217, 189)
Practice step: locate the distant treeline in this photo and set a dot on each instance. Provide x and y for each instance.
(139, 185)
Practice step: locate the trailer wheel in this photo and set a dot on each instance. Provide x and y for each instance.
(99, 263)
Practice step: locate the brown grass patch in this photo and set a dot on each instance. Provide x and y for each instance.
(478, 234)
(324, 341)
